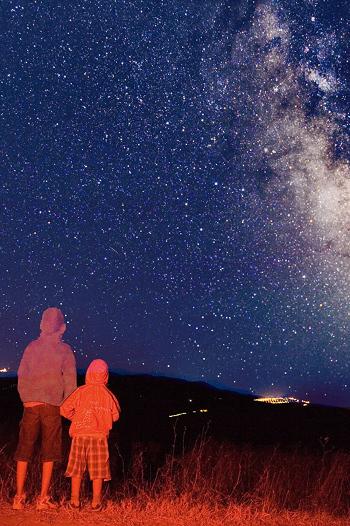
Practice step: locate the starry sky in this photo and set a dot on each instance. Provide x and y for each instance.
(175, 175)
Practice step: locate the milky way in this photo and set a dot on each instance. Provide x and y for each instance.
(177, 179)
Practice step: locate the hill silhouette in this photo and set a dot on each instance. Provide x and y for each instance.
(150, 405)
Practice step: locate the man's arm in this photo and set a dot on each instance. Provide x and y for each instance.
(69, 373)
(24, 380)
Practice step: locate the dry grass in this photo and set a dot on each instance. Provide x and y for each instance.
(212, 484)
(164, 512)
(265, 478)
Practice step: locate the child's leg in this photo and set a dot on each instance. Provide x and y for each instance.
(96, 491)
(75, 490)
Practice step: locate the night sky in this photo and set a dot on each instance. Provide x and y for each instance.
(175, 175)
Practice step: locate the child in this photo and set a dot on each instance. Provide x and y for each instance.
(92, 409)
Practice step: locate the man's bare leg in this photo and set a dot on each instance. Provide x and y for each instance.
(21, 474)
(46, 478)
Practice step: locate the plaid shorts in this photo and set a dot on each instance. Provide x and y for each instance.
(91, 452)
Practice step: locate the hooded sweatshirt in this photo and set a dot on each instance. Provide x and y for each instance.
(47, 372)
(92, 408)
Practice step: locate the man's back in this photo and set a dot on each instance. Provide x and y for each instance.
(47, 372)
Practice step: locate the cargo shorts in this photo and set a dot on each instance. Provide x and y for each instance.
(44, 420)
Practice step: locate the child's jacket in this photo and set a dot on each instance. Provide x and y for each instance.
(92, 408)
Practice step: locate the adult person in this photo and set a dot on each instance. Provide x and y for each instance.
(46, 376)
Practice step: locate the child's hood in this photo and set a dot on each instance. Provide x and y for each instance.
(97, 372)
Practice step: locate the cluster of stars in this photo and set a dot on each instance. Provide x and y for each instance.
(176, 179)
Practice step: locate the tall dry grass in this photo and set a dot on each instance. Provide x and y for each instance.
(266, 478)
(220, 482)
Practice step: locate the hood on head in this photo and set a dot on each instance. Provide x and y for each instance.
(52, 321)
(97, 372)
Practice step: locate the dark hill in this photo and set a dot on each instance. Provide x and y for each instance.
(148, 402)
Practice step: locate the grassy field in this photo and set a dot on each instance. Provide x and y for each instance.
(213, 484)
(163, 512)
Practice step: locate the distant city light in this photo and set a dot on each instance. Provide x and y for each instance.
(4, 370)
(191, 412)
(282, 400)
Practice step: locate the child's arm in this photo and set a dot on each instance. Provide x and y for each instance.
(67, 408)
(115, 409)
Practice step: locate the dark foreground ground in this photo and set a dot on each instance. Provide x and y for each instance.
(224, 460)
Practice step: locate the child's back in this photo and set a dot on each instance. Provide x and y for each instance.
(92, 408)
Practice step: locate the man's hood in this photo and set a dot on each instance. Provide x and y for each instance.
(52, 322)
(97, 372)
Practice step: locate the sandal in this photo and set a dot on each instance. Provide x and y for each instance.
(72, 506)
(97, 507)
(19, 502)
(45, 503)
